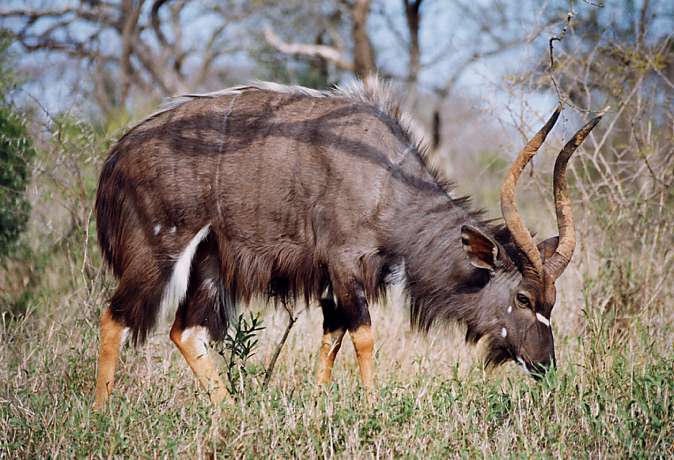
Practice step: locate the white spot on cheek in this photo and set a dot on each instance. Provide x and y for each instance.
(504, 332)
(172, 230)
(157, 229)
(543, 319)
(510, 308)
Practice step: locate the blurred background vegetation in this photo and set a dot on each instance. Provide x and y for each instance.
(478, 76)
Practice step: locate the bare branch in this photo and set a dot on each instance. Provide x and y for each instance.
(413, 18)
(130, 13)
(300, 49)
(559, 38)
(154, 14)
(279, 347)
(363, 54)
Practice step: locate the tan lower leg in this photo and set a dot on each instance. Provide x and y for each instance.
(363, 342)
(193, 344)
(112, 335)
(326, 358)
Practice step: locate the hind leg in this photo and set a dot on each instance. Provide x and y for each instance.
(192, 342)
(112, 338)
(200, 318)
(333, 333)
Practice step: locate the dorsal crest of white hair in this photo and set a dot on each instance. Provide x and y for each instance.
(372, 91)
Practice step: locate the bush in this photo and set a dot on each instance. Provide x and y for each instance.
(16, 154)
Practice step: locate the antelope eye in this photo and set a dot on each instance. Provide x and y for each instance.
(523, 300)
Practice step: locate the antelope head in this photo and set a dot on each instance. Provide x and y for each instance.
(522, 294)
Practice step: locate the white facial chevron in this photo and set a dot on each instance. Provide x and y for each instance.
(543, 319)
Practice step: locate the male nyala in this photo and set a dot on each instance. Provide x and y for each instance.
(293, 193)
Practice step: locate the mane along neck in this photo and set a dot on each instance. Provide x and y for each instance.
(426, 234)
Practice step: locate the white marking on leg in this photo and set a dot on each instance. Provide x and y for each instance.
(172, 230)
(175, 290)
(504, 332)
(333, 348)
(157, 229)
(543, 319)
(336, 339)
(199, 336)
(125, 335)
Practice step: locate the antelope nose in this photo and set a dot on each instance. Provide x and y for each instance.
(540, 368)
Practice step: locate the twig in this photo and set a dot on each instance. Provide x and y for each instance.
(551, 52)
(86, 242)
(597, 4)
(279, 347)
(326, 52)
(558, 38)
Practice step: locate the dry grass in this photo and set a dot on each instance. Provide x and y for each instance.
(612, 396)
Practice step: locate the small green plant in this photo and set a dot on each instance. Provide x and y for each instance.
(239, 346)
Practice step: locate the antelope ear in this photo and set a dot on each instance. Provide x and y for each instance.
(482, 251)
(547, 248)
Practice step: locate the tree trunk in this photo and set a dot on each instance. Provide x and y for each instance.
(363, 55)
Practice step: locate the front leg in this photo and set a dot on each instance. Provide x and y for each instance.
(363, 341)
(353, 309)
(333, 333)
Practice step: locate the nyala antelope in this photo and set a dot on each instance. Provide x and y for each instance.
(293, 193)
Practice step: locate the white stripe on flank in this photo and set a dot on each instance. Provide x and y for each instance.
(175, 290)
(543, 319)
